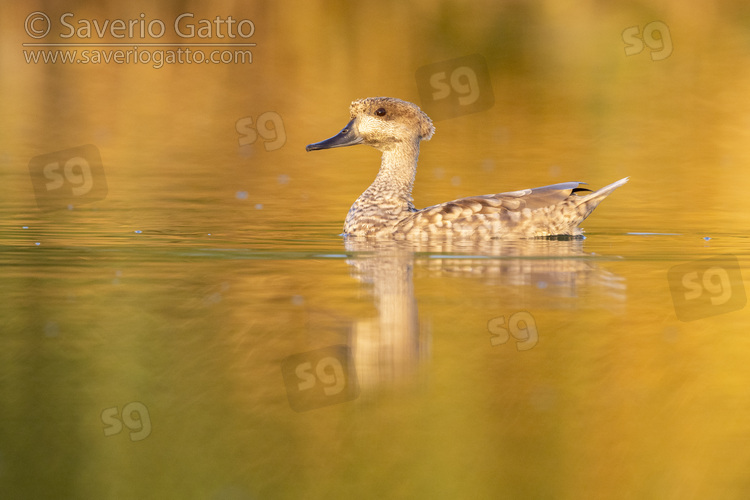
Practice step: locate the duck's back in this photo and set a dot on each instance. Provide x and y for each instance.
(544, 211)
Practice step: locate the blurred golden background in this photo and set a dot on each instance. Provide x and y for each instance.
(214, 255)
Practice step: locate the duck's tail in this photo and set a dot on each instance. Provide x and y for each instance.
(593, 199)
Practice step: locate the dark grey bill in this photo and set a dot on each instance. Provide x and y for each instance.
(347, 137)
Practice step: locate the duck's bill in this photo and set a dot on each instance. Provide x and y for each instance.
(347, 137)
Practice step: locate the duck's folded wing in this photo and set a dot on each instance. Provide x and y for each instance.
(502, 202)
(542, 211)
(540, 197)
(502, 211)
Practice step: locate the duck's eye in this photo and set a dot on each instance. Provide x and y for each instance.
(380, 112)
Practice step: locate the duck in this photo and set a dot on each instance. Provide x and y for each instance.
(386, 210)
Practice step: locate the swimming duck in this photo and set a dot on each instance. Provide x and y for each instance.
(386, 209)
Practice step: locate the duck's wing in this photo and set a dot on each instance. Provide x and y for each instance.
(530, 198)
(547, 210)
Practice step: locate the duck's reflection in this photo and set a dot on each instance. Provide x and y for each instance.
(388, 347)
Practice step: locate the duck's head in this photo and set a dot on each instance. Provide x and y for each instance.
(381, 122)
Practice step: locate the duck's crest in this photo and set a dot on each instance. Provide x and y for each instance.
(397, 110)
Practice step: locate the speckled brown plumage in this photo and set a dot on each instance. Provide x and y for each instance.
(386, 209)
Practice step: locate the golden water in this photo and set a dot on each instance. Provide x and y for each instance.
(145, 337)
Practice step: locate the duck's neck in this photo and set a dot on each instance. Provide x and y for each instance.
(388, 199)
(395, 180)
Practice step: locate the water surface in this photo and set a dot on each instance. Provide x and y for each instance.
(203, 331)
